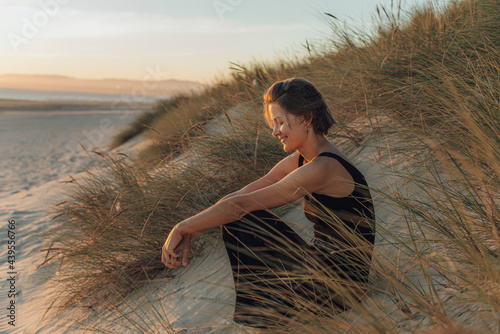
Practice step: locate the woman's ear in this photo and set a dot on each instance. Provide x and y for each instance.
(308, 119)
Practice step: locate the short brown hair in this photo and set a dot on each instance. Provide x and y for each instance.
(300, 98)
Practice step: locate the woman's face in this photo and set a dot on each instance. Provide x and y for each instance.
(289, 128)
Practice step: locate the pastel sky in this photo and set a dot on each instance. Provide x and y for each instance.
(189, 40)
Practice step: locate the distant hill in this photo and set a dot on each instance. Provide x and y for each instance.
(151, 87)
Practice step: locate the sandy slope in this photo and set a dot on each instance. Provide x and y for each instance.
(200, 299)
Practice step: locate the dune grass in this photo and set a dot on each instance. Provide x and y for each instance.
(436, 76)
(141, 123)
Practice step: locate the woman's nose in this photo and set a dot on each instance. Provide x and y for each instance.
(276, 131)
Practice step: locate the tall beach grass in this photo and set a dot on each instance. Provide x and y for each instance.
(421, 93)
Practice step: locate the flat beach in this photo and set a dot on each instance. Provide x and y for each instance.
(41, 150)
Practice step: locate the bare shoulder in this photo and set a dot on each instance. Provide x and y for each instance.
(326, 169)
(336, 179)
(328, 164)
(320, 166)
(286, 165)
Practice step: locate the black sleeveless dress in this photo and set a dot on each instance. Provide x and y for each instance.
(277, 272)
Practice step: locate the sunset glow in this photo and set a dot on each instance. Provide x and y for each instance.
(120, 39)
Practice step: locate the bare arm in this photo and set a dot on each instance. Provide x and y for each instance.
(295, 185)
(278, 172)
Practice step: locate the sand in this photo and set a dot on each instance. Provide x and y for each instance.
(41, 151)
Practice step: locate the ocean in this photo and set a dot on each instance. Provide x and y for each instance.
(39, 95)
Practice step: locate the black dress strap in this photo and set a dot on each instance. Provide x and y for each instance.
(301, 160)
(347, 165)
(355, 173)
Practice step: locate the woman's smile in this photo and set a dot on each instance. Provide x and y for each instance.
(286, 127)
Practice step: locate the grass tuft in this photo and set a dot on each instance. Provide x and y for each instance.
(421, 92)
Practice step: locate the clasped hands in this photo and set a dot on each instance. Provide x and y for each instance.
(175, 251)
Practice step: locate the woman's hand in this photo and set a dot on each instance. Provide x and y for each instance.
(176, 248)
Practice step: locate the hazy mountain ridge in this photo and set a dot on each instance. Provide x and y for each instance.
(150, 86)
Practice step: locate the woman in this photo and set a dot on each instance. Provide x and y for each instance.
(276, 272)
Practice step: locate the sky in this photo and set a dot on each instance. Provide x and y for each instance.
(180, 39)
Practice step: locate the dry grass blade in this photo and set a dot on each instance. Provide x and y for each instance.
(72, 179)
(86, 151)
(422, 94)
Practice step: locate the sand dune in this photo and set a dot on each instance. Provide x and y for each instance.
(200, 299)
